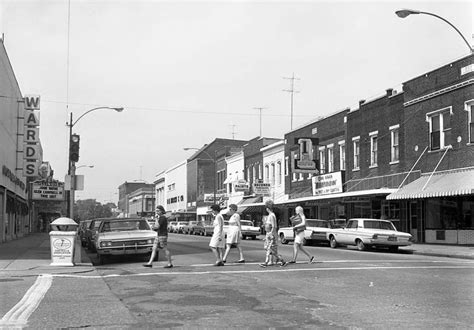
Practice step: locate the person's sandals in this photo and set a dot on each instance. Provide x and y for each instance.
(283, 264)
(241, 261)
(147, 265)
(168, 266)
(311, 260)
(219, 263)
(264, 265)
(292, 262)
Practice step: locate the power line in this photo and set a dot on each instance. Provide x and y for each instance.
(292, 91)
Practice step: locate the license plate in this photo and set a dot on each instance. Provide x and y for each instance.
(392, 238)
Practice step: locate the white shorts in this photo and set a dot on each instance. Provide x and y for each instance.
(299, 238)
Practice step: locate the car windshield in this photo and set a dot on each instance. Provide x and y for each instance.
(246, 223)
(317, 223)
(337, 223)
(375, 224)
(125, 225)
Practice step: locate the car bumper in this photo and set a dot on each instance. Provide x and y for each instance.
(250, 233)
(384, 242)
(125, 250)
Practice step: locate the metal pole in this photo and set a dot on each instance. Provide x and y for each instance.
(215, 175)
(70, 204)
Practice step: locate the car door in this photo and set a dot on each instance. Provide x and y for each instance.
(347, 235)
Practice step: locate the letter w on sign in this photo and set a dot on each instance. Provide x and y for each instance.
(32, 102)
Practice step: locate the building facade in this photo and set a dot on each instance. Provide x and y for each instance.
(141, 202)
(438, 206)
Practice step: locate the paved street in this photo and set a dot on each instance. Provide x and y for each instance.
(345, 289)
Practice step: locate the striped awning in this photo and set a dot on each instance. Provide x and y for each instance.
(440, 184)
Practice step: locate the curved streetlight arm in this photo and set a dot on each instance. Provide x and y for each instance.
(406, 12)
(85, 113)
(211, 158)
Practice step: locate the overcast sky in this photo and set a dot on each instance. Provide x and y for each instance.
(187, 72)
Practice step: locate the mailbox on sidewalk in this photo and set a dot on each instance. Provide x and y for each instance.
(62, 240)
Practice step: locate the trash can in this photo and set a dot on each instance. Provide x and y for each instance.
(62, 240)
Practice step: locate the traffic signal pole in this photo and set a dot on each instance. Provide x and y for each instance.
(70, 194)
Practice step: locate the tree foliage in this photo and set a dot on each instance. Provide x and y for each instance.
(91, 209)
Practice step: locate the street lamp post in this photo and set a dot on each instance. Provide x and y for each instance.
(402, 13)
(71, 164)
(215, 167)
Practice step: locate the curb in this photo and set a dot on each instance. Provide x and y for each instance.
(435, 254)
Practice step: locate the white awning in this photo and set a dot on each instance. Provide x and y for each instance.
(440, 184)
(380, 191)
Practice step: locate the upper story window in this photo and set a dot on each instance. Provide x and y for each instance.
(254, 173)
(278, 173)
(394, 144)
(272, 173)
(440, 128)
(342, 155)
(248, 174)
(322, 160)
(287, 166)
(330, 150)
(356, 145)
(373, 148)
(267, 174)
(469, 107)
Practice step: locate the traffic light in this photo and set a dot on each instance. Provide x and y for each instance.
(74, 148)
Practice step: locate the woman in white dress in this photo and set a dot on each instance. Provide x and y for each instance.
(217, 240)
(234, 234)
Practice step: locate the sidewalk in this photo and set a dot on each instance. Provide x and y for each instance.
(30, 255)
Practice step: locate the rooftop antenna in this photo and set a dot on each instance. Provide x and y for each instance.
(292, 91)
(260, 109)
(233, 131)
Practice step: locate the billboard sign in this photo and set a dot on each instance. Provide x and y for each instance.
(48, 190)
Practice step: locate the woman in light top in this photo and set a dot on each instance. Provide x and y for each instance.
(299, 226)
(217, 240)
(234, 234)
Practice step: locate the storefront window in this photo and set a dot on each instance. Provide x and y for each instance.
(441, 213)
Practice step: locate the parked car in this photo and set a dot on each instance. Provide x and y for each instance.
(208, 229)
(91, 233)
(197, 228)
(316, 231)
(248, 229)
(366, 233)
(124, 236)
(187, 228)
(172, 226)
(82, 231)
(179, 226)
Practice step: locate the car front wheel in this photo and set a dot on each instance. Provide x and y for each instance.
(332, 242)
(360, 245)
(283, 240)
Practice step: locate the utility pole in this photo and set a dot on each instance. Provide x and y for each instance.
(292, 91)
(260, 110)
(233, 131)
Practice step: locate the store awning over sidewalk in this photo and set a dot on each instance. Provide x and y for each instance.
(440, 184)
(357, 193)
(249, 205)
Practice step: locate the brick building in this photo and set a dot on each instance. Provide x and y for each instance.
(438, 206)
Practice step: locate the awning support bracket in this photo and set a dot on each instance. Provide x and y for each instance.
(441, 159)
(411, 170)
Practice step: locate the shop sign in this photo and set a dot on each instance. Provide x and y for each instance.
(304, 161)
(241, 185)
(261, 188)
(48, 190)
(327, 184)
(209, 198)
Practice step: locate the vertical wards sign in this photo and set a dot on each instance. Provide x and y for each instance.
(31, 147)
(32, 102)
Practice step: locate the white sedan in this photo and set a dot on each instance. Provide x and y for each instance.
(365, 233)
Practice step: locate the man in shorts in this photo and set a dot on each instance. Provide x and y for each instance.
(161, 239)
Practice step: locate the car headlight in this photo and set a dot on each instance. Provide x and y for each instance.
(104, 244)
(150, 241)
(375, 236)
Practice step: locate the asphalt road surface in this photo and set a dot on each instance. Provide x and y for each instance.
(346, 288)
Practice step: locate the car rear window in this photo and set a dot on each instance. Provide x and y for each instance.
(317, 223)
(125, 225)
(384, 225)
(246, 223)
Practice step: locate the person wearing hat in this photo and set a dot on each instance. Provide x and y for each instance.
(217, 240)
(234, 234)
(161, 239)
